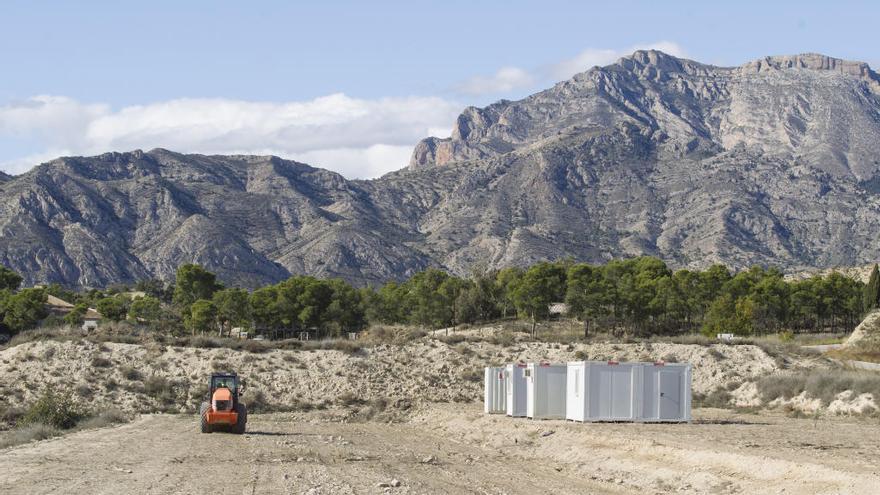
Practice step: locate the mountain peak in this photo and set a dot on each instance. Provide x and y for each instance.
(813, 61)
(774, 162)
(655, 58)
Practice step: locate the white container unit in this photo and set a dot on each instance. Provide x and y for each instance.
(666, 392)
(515, 386)
(494, 393)
(611, 391)
(603, 391)
(545, 390)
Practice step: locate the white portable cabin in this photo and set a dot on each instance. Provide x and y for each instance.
(494, 393)
(612, 391)
(545, 390)
(666, 392)
(515, 385)
(602, 391)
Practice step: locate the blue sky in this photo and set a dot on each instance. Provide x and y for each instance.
(350, 86)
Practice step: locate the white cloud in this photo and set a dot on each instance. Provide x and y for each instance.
(357, 137)
(505, 80)
(372, 161)
(592, 57)
(22, 164)
(509, 79)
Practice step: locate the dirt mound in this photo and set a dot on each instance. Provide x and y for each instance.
(867, 333)
(165, 378)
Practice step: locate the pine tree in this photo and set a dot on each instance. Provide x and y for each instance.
(871, 294)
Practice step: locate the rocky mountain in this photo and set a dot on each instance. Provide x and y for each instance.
(773, 162)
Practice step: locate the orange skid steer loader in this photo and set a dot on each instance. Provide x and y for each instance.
(223, 410)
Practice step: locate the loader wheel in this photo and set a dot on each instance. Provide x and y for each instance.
(206, 428)
(242, 419)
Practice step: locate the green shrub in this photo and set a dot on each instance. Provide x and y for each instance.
(161, 389)
(503, 339)
(100, 362)
(474, 375)
(715, 353)
(12, 415)
(350, 347)
(257, 402)
(718, 398)
(464, 349)
(84, 391)
(55, 410)
(349, 399)
(131, 374)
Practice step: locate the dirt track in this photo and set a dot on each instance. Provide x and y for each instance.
(455, 449)
(164, 454)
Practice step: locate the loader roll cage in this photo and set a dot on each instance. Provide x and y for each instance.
(225, 380)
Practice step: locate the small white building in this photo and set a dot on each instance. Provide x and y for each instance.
(557, 309)
(545, 390)
(515, 386)
(612, 391)
(494, 392)
(91, 319)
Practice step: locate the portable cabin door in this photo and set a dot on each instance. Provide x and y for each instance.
(670, 396)
(666, 393)
(516, 390)
(611, 392)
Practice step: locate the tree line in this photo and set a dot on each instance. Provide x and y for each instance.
(637, 296)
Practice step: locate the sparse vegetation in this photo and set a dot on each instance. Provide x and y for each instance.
(56, 410)
(28, 433)
(718, 398)
(131, 374)
(101, 362)
(825, 385)
(162, 389)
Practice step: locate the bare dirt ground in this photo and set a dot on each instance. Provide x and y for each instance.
(454, 448)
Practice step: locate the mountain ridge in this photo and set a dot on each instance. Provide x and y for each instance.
(772, 162)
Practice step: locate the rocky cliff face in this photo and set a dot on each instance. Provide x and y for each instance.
(774, 162)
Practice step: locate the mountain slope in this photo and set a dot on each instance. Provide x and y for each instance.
(774, 162)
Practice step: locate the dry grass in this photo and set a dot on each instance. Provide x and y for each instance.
(106, 418)
(819, 384)
(28, 433)
(870, 355)
(131, 374)
(100, 362)
(35, 431)
(350, 347)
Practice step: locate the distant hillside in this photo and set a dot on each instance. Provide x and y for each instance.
(773, 162)
(860, 273)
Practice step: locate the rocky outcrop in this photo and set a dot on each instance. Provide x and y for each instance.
(774, 162)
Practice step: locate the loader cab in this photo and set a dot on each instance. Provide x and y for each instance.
(222, 409)
(229, 381)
